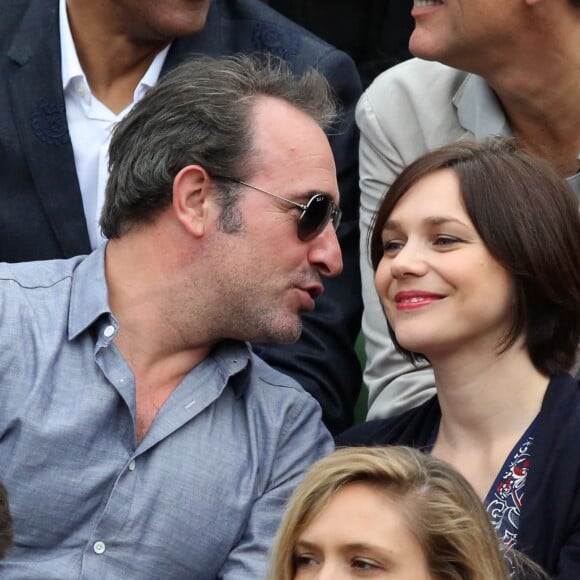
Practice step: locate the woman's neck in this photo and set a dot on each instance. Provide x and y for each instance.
(486, 397)
(487, 404)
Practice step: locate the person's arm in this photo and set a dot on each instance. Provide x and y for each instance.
(324, 360)
(303, 441)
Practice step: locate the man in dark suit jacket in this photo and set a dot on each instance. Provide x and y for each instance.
(41, 208)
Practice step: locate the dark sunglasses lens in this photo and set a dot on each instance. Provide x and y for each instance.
(315, 217)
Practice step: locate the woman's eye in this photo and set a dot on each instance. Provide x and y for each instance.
(446, 240)
(392, 246)
(304, 560)
(364, 564)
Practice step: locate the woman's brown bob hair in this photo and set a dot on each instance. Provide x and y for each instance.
(527, 216)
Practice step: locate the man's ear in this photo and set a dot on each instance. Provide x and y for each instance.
(192, 199)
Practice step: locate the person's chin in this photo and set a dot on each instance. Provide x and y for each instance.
(290, 333)
(282, 331)
(422, 46)
(415, 339)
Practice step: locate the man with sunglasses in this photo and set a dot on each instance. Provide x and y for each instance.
(71, 69)
(141, 436)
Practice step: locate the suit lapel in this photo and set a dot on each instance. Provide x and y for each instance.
(37, 101)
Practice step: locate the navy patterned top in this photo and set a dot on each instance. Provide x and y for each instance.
(504, 499)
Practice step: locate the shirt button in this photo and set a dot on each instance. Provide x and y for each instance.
(109, 331)
(132, 465)
(99, 547)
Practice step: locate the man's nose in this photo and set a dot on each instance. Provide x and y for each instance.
(325, 252)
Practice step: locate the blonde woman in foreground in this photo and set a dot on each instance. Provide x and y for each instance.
(388, 512)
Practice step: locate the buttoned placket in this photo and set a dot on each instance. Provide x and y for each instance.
(180, 409)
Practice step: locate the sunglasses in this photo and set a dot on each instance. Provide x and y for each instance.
(316, 212)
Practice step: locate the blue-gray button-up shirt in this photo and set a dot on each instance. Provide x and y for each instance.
(200, 497)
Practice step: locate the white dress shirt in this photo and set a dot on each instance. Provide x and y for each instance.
(90, 124)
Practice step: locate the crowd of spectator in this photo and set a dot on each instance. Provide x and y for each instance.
(205, 205)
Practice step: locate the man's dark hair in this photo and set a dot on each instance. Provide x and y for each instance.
(200, 113)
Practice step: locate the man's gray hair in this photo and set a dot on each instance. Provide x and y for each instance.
(199, 114)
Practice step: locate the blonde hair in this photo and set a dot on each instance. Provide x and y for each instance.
(442, 510)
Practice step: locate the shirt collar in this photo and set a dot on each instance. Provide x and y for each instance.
(233, 359)
(151, 76)
(89, 295)
(89, 301)
(480, 112)
(478, 109)
(71, 66)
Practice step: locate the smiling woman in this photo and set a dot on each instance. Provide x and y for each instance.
(435, 268)
(476, 251)
(468, 212)
(386, 513)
